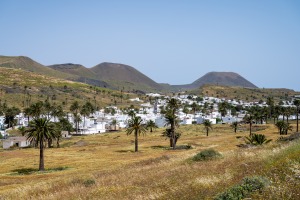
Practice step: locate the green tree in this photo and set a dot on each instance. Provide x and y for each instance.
(234, 125)
(151, 125)
(249, 120)
(222, 107)
(35, 110)
(207, 126)
(172, 107)
(195, 107)
(114, 123)
(257, 139)
(283, 127)
(297, 104)
(10, 114)
(40, 130)
(135, 125)
(75, 108)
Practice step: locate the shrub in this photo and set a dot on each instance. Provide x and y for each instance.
(89, 182)
(25, 171)
(207, 154)
(240, 191)
(257, 139)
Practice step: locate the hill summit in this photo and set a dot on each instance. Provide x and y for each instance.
(219, 78)
(115, 73)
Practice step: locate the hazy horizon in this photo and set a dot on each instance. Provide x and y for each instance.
(171, 42)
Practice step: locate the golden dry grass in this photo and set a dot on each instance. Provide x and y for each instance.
(105, 166)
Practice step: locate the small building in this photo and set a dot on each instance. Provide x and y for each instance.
(15, 141)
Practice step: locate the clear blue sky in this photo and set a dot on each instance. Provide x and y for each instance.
(170, 41)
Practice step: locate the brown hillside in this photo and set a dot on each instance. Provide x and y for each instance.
(123, 73)
(219, 78)
(27, 64)
(84, 74)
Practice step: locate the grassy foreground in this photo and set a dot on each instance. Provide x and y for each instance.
(105, 167)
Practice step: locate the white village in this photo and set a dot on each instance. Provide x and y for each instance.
(194, 110)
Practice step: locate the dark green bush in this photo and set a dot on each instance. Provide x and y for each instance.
(207, 154)
(25, 171)
(89, 182)
(240, 191)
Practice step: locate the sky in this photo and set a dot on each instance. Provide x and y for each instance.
(170, 41)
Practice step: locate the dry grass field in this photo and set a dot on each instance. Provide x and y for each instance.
(105, 167)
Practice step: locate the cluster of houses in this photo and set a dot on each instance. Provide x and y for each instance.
(101, 121)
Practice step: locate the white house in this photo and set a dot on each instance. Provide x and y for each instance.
(15, 141)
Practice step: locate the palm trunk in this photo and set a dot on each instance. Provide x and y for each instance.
(49, 142)
(297, 119)
(173, 136)
(57, 142)
(250, 129)
(207, 132)
(136, 142)
(41, 165)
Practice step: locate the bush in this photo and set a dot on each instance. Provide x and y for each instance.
(89, 182)
(248, 185)
(207, 154)
(25, 171)
(257, 139)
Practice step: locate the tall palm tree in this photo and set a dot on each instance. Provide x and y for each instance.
(195, 107)
(249, 119)
(151, 124)
(172, 107)
(74, 108)
(297, 104)
(207, 126)
(234, 125)
(40, 130)
(135, 125)
(36, 110)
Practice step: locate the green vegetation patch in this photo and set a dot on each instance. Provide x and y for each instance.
(27, 171)
(242, 190)
(208, 154)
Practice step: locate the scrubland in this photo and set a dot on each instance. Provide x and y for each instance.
(105, 166)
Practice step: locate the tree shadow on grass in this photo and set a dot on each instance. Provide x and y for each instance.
(27, 171)
(160, 147)
(125, 151)
(178, 147)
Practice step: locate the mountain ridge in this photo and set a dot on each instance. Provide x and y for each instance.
(218, 78)
(119, 76)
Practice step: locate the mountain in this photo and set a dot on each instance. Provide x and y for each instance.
(84, 74)
(219, 78)
(27, 64)
(118, 76)
(124, 76)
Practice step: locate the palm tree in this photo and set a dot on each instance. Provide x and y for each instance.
(135, 125)
(40, 130)
(151, 124)
(234, 125)
(172, 107)
(10, 114)
(283, 127)
(36, 110)
(249, 119)
(297, 104)
(195, 107)
(207, 126)
(257, 139)
(171, 119)
(222, 107)
(114, 123)
(74, 108)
